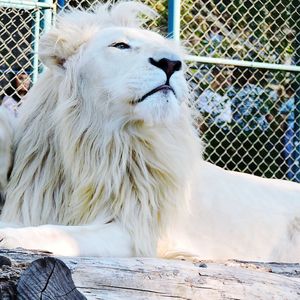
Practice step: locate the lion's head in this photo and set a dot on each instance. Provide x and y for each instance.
(106, 130)
(120, 68)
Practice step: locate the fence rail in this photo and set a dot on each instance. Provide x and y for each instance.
(243, 69)
(242, 63)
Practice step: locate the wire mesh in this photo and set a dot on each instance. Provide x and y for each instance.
(249, 116)
(20, 28)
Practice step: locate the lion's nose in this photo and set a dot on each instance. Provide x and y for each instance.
(167, 65)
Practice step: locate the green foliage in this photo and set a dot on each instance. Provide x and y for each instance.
(252, 30)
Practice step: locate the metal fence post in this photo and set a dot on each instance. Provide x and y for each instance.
(60, 4)
(174, 19)
(36, 37)
(297, 123)
(43, 21)
(296, 139)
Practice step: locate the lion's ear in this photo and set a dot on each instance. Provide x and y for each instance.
(131, 13)
(54, 49)
(72, 29)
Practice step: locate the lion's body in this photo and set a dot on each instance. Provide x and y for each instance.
(114, 164)
(239, 216)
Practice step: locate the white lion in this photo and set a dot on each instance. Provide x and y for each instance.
(106, 152)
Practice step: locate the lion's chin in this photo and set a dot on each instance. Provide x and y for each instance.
(158, 108)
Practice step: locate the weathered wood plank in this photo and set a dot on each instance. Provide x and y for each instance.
(146, 278)
(161, 279)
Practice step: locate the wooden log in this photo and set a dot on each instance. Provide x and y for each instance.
(47, 278)
(147, 278)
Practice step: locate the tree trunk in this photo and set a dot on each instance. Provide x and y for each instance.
(142, 278)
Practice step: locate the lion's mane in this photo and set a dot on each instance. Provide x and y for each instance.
(73, 165)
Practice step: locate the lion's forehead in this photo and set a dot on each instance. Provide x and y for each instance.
(135, 36)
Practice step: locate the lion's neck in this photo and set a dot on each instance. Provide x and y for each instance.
(139, 180)
(74, 173)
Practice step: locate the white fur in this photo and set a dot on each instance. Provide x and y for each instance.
(238, 216)
(86, 153)
(114, 176)
(7, 123)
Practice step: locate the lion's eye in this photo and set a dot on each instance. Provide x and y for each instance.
(120, 45)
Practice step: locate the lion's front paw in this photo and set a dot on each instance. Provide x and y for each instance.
(9, 239)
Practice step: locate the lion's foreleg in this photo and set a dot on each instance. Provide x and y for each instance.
(88, 240)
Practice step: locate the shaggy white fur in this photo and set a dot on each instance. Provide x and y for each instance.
(7, 125)
(88, 151)
(114, 171)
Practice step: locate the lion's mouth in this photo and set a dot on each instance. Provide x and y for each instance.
(164, 87)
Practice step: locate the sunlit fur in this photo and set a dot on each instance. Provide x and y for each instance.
(83, 152)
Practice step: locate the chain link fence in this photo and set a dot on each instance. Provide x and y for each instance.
(21, 23)
(250, 115)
